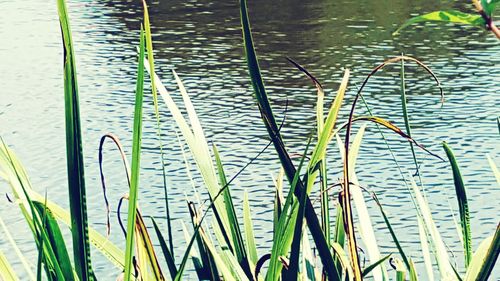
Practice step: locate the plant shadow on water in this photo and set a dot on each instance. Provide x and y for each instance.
(232, 254)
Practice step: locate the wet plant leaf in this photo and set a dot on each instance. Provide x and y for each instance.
(445, 16)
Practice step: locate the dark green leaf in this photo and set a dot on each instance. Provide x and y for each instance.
(136, 157)
(462, 204)
(74, 150)
(166, 253)
(272, 128)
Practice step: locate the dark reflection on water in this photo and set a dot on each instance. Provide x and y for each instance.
(201, 40)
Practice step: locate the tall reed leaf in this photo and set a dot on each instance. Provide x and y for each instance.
(365, 224)
(250, 238)
(74, 151)
(136, 156)
(149, 48)
(463, 206)
(272, 128)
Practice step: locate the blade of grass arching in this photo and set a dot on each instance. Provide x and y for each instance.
(7, 273)
(108, 249)
(462, 204)
(425, 249)
(491, 257)
(149, 47)
(239, 245)
(318, 157)
(494, 168)
(112, 252)
(12, 166)
(274, 134)
(28, 268)
(320, 124)
(136, 157)
(56, 240)
(249, 235)
(166, 252)
(18, 179)
(76, 178)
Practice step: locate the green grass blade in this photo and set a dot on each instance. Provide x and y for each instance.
(406, 118)
(484, 258)
(149, 47)
(250, 238)
(391, 231)
(18, 179)
(339, 237)
(372, 266)
(239, 246)
(136, 153)
(413, 271)
(445, 16)
(11, 166)
(76, 178)
(7, 273)
(56, 240)
(462, 204)
(166, 252)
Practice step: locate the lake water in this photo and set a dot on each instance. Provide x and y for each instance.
(201, 40)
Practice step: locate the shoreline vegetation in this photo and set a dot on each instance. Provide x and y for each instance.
(308, 243)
